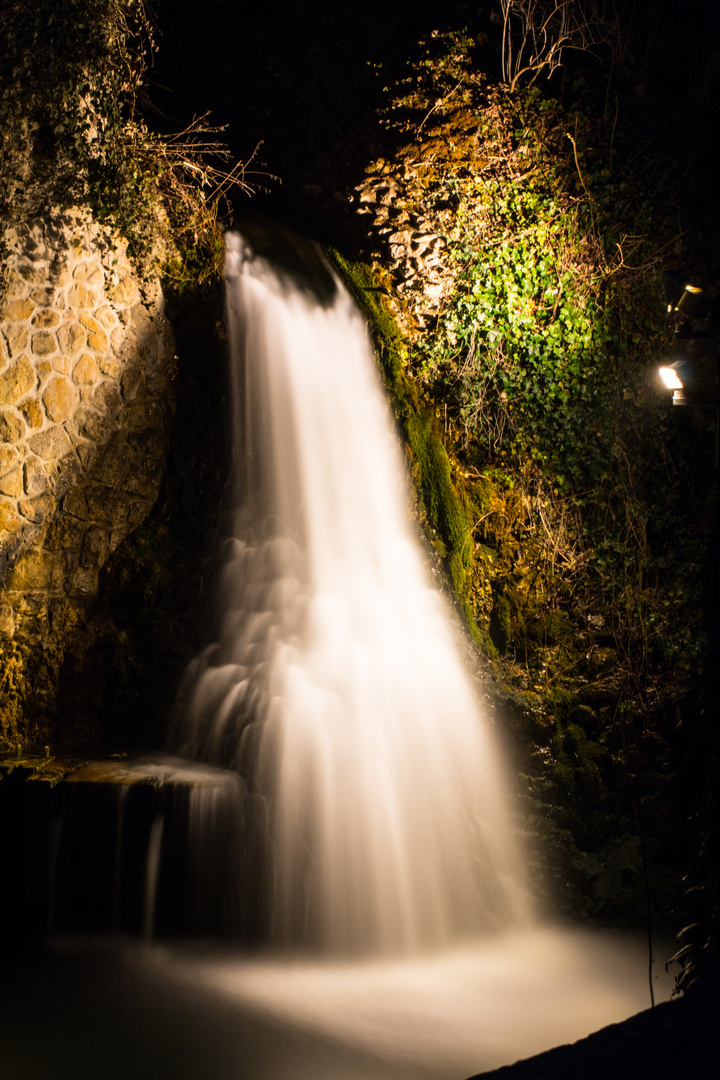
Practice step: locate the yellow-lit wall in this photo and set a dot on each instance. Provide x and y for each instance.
(86, 355)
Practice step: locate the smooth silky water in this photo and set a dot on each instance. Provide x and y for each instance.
(382, 883)
(336, 687)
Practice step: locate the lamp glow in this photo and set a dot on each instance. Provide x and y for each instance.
(670, 378)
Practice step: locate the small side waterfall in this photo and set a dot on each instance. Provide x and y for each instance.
(145, 846)
(335, 687)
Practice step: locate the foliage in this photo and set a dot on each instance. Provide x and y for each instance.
(518, 347)
(71, 89)
(541, 359)
(589, 496)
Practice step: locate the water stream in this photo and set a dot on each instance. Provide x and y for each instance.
(336, 686)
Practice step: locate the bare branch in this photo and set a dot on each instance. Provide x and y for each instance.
(536, 34)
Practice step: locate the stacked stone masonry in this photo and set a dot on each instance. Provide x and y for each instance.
(86, 356)
(407, 242)
(408, 224)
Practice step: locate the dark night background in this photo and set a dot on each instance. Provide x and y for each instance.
(303, 80)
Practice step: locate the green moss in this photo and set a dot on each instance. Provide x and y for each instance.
(501, 624)
(363, 285)
(442, 501)
(577, 772)
(28, 685)
(13, 664)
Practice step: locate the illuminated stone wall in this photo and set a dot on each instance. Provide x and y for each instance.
(86, 356)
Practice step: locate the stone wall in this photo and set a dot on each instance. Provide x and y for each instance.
(400, 213)
(86, 356)
(406, 217)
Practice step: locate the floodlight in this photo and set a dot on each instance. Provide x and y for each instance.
(688, 301)
(690, 365)
(693, 375)
(670, 378)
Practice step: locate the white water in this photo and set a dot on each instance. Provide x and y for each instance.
(336, 686)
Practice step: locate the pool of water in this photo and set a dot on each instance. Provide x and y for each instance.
(106, 1009)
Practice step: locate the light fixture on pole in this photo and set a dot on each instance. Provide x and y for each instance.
(691, 370)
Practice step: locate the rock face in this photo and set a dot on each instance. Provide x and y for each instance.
(407, 220)
(407, 239)
(86, 356)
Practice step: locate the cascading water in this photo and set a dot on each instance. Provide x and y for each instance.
(336, 686)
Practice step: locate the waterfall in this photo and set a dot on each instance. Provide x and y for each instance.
(359, 814)
(336, 687)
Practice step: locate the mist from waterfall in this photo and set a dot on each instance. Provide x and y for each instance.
(335, 686)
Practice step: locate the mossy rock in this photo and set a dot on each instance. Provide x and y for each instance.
(501, 624)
